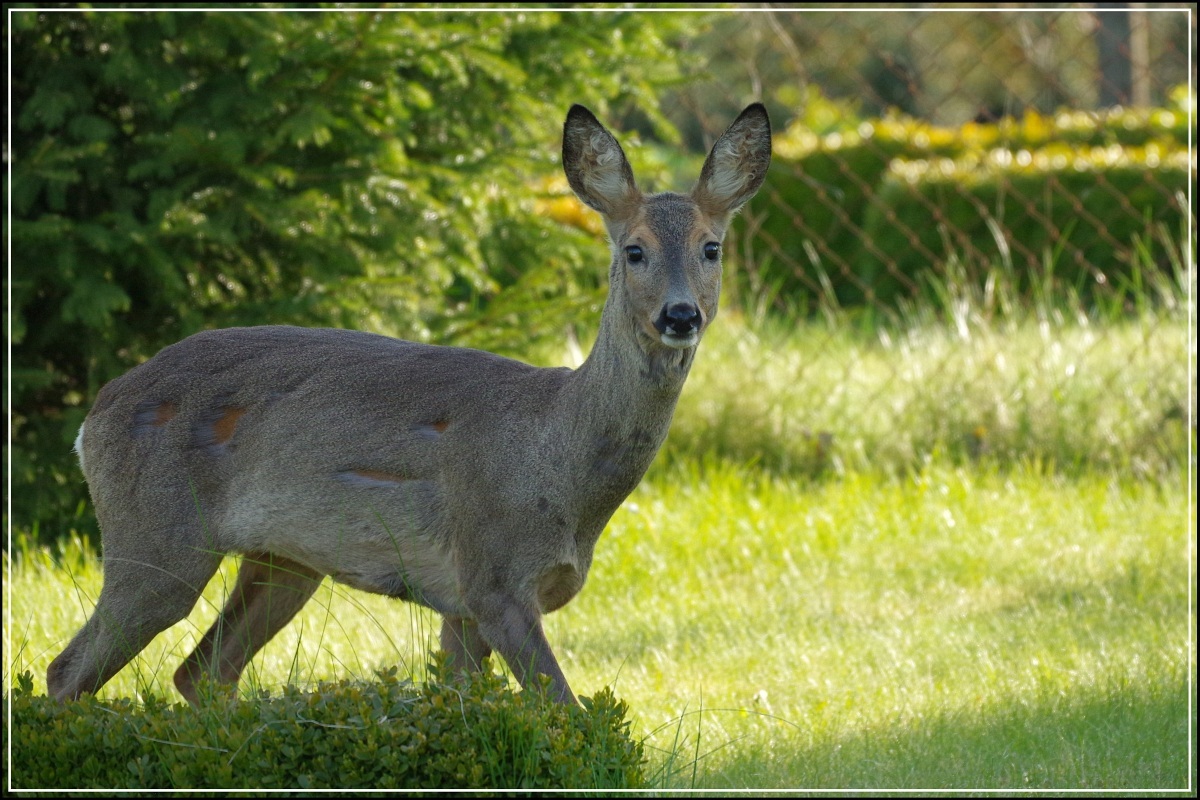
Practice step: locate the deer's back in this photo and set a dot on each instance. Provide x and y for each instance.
(314, 442)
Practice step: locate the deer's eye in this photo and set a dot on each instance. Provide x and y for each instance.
(634, 254)
(712, 251)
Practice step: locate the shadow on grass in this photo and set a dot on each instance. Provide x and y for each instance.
(1124, 737)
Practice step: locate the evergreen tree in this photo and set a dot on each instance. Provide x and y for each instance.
(173, 171)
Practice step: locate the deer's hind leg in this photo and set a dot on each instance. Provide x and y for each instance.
(145, 591)
(465, 645)
(270, 590)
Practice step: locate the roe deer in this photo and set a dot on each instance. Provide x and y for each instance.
(463, 481)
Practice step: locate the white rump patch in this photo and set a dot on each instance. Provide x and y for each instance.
(79, 446)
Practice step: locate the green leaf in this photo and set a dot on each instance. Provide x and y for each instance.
(92, 301)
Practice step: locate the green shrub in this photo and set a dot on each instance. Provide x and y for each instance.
(180, 170)
(1064, 219)
(865, 213)
(346, 735)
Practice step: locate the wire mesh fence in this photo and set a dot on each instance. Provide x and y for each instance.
(990, 170)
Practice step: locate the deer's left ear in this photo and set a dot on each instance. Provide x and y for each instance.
(737, 165)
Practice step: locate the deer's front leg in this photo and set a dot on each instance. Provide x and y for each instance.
(515, 631)
(502, 566)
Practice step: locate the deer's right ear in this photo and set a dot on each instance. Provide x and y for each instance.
(596, 166)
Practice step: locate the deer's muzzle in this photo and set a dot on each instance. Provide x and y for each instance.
(679, 324)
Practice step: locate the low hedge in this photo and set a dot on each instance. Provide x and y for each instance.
(874, 209)
(1081, 220)
(389, 734)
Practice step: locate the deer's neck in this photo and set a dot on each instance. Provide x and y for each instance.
(620, 401)
(640, 378)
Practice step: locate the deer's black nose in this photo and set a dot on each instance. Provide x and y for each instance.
(679, 319)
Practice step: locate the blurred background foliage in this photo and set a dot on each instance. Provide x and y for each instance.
(397, 171)
(174, 171)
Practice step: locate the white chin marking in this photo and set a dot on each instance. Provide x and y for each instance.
(680, 342)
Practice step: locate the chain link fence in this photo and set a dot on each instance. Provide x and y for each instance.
(1018, 180)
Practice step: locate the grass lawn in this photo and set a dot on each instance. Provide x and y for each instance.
(949, 556)
(960, 627)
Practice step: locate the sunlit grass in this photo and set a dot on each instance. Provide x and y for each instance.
(876, 608)
(949, 553)
(975, 371)
(812, 399)
(956, 627)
